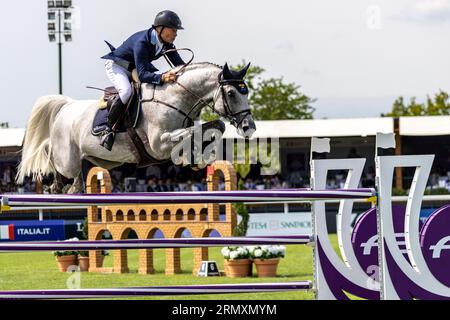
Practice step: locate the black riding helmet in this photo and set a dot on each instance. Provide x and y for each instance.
(168, 19)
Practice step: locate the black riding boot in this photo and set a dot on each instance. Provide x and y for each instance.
(116, 110)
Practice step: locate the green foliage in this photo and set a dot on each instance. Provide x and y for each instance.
(436, 191)
(399, 192)
(438, 106)
(276, 100)
(272, 98)
(241, 209)
(83, 253)
(85, 229)
(64, 253)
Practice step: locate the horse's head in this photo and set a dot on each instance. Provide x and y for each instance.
(231, 100)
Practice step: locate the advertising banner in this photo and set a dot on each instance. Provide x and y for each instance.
(279, 224)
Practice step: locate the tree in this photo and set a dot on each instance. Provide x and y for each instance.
(438, 106)
(276, 100)
(272, 99)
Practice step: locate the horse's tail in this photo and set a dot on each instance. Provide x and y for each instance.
(36, 160)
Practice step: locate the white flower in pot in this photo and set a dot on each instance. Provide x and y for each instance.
(258, 253)
(226, 252)
(234, 255)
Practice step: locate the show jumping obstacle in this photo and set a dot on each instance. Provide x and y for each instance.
(419, 272)
(171, 220)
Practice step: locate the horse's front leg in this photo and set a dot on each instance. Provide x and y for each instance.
(216, 127)
(77, 185)
(176, 135)
(195, 146)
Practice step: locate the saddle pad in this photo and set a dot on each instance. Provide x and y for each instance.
(101, 119)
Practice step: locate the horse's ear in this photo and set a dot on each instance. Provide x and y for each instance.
(226, 72)
(243, 71)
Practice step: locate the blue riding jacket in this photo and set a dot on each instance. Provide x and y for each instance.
(138, 52)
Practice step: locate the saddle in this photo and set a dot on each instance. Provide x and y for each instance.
(131, 116)
(126, 123)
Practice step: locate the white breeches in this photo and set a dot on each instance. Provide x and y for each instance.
(119, 76)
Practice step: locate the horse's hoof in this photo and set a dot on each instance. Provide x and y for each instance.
(74, 190)
(66, 188)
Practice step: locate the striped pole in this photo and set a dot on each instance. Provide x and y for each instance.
(156, 291)
(153, 243)
(22, 200)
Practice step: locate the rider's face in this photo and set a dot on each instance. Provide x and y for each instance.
(168, 34)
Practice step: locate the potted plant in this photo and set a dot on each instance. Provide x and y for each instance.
(66, 259)
(266, 259)
(237, 262)
(83, 260)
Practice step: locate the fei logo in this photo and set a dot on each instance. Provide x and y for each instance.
(373, 243)
(438, 247)
(435, 244)
(365, 237)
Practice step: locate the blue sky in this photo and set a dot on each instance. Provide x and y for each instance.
(354, 56)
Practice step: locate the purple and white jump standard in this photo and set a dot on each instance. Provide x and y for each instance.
(411, 261)
(424, 273)
(335, 277)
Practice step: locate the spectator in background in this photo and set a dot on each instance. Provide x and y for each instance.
(295, 179)
(249, 184)
(116, 175)
(161, 187)
(7, 176)
(153, 171)
(151, 185)
(170, 186)
(353, 154)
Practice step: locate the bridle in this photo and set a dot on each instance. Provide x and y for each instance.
(235, 118)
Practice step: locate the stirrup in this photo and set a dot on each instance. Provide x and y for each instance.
(108, 140)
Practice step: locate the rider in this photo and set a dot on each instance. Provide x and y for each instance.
(137, 52)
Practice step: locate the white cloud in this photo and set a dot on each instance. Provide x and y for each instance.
(286, 47)
(426, 11)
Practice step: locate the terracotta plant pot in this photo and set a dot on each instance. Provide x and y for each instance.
(83, 262)
(238, 268)
(267, 267)
(66, 261)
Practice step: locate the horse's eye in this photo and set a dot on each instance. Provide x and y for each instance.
(231, 94)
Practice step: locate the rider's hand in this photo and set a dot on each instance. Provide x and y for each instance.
(169, 77)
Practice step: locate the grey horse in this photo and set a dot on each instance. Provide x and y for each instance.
(58, 135)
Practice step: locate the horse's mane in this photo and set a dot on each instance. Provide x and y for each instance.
(196, 65)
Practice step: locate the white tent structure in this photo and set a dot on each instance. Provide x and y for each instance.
(12, 137)
(351, 127)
